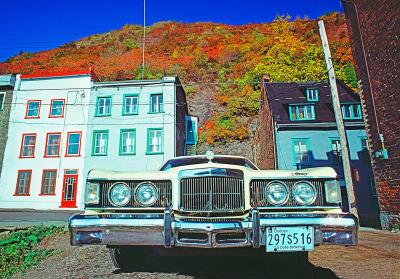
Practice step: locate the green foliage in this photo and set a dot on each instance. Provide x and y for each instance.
(350, 75)
(190, 89)
(130, 44)
(19, 250)
(148, 73)
(396, 227)
(246, 103)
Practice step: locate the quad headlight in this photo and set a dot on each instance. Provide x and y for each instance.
(92, 193)
(119, 194)
(146, 194)
(276, 193)
(304, 193)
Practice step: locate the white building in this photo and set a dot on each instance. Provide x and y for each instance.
(137, 125)
(63, 125)
(43, 166)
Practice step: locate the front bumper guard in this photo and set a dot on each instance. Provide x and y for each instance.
(165, 230)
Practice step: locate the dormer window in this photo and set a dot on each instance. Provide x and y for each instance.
(312, 94)
(351, 111)
(300, 112)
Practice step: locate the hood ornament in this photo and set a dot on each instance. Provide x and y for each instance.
(210, 155)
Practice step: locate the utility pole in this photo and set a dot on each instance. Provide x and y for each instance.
(339, 120)
(144, 36)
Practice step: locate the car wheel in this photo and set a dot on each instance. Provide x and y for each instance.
(128, 259)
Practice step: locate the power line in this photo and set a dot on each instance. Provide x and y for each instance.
(144, 36)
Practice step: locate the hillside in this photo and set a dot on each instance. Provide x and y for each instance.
(220, 65)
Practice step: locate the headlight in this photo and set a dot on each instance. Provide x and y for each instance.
(92, 193)
(304, 193)
(276, 193)
(332, 191)
(119, 194)
(146, 194)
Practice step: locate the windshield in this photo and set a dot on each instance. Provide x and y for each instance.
(178, 162)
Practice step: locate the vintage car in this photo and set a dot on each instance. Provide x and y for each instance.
(212, 202)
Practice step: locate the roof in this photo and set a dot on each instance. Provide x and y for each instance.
(282, 94)
(61, 74)
(170, 79)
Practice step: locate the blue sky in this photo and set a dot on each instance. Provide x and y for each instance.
(34, 25)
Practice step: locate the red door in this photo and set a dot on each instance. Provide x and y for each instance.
(70, 183)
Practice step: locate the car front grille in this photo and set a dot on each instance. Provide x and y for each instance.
(164, 188)
(257, 193)
(212, 194)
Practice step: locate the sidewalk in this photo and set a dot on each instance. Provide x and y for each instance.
(20, 218)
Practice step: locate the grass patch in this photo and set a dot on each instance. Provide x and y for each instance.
(20, 250)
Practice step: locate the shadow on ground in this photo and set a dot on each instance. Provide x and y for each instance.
(230, 267)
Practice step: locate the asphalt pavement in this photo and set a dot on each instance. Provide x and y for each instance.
(26, 218)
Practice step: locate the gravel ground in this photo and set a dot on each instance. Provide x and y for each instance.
(376, 256)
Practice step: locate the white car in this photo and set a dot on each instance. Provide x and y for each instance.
(212, 202)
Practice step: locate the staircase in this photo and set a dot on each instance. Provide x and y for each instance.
(190, 149)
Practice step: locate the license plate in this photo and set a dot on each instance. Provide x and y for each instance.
(284, 239)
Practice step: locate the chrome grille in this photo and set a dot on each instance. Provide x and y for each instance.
(212, 194)
(164, 193)
(257, 193)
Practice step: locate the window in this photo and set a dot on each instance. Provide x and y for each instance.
(53, 141)
(33, 109)
(365, 151)
(100, 143)
(301, 112)
(103, 106)
(312, 94)
(73, 144)
(130, 105)
(156, 103)
(48, 182)
(336, 150)
(23, 182)
(57, 108)
(28, 146)
(351, 111)
(154, 141)
(127, 145)
(189, 131)
(2, 100)
(300, 151)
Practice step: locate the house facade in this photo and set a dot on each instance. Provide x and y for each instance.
(137, 125)
(7, 83)
(43, 165)
(63, 125)
(374, 34)
(303, 134)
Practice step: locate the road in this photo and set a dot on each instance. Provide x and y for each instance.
(26, 218)
(376, 256)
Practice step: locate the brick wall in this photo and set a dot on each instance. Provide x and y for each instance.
(264, 142)
(4, 118)
(375, 37)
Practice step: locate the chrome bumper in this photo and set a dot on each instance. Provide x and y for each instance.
(165, 230)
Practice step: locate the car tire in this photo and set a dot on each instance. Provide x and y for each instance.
(128, 259)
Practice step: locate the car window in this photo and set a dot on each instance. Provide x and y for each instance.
(235, 161)
(182, 162)
(220, 160)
